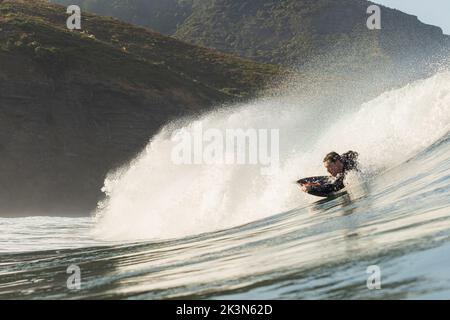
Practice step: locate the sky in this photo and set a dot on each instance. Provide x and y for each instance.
(435, 12)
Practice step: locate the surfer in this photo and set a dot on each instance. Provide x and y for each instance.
(337, 166)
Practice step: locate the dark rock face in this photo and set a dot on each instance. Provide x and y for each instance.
(74, 106)
(60, 137)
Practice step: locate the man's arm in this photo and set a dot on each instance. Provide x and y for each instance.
(337, 185)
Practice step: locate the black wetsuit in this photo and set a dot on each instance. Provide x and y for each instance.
(350, 160)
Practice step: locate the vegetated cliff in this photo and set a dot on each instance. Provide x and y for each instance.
(282, 31)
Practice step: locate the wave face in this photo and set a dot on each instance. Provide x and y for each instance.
(154, 198)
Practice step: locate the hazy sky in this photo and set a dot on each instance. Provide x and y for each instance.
(436, 12)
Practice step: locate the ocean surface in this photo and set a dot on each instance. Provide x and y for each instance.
(227, 232)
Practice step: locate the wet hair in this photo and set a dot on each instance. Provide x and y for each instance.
(349, 159)
(332, 157)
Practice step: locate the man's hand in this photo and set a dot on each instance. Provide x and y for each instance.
(307, 186)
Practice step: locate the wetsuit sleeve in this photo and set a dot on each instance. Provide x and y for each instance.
(329, 187)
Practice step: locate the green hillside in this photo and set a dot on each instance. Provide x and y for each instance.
(281, 31)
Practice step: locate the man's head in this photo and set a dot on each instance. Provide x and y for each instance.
(334, 164)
